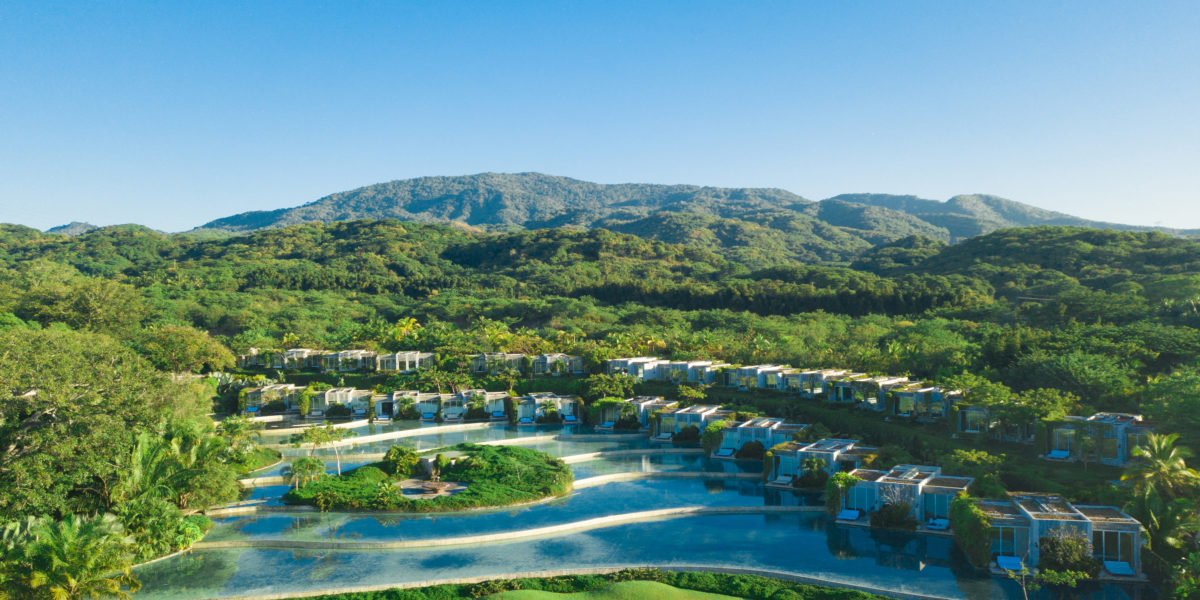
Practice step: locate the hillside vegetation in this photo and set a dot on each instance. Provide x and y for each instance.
(759, 227)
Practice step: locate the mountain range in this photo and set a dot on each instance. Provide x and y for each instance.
(755, 225)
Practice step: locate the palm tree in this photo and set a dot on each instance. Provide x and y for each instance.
(1162, 468)
(302, 470)
(82, 557)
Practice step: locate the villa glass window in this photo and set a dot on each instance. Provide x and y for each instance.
(1064, 439)
(937, 506)
(1010, 541)
(1113, 545)
(1133, 440)
(860, 497)
(936, 409)
(1108, 448)
(973, 421)
(904, 405)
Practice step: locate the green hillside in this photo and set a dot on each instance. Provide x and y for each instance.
(757, 226)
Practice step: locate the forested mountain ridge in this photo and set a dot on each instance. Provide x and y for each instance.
(764, 224)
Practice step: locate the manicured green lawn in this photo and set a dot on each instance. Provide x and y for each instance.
(625, 590)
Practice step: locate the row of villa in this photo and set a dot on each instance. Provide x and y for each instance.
(449, 407)
(1018, 523)
(488, 363)
(1116, 433)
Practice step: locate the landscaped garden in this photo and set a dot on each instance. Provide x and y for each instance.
(463, 477)
(621, 585)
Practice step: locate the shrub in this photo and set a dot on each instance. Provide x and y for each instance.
(690, 433)
(400, 462)
(337, 410)
(894, 515)
(835, 490)
(813, 479)
(1067, 549)
(628, 423)
(711, 438)
(752, 451)
(273, 407)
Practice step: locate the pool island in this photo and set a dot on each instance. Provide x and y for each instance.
(463, 477)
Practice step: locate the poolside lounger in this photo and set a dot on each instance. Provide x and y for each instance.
(1116, 567)
(498, 414)
(526, 420)
(849, 514)
(938, 524)
(724, 452)
(1009, 563)
(429, 416)
(569, 419)
(1058, 454)
(607, 425)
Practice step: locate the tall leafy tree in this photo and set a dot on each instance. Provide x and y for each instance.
(81, 557)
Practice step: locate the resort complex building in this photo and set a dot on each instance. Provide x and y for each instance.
(1019, 523)
(764, 432)
(832, 454)
(1107, 438)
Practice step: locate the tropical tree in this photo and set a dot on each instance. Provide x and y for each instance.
(1163, 468)
(240, 432)
(81, 557)
(323, 435)
(303, 470)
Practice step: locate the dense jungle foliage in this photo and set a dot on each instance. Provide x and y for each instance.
(1061, 320)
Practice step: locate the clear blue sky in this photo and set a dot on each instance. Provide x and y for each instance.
(170, 114)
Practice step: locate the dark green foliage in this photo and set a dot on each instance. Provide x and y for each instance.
(710, 439)
(337, 411)
(751, 451)
(894, 515)
(687, 435)
(751, 587)
(1067, 549)
(972, 529)
(813, 480)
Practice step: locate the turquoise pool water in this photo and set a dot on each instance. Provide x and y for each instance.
(803, 544)
(590, 502)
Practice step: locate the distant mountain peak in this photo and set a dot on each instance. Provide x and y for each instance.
(73, 228)
(764, 222)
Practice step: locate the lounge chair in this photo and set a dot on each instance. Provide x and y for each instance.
(724, 452)
(606, 425)
(1009, 563)
(498, 414)
(525, 420)
(849, 514)
(428, 416)
(1058, 454)
(569, 419)
(1116, 567)
(938, 524)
